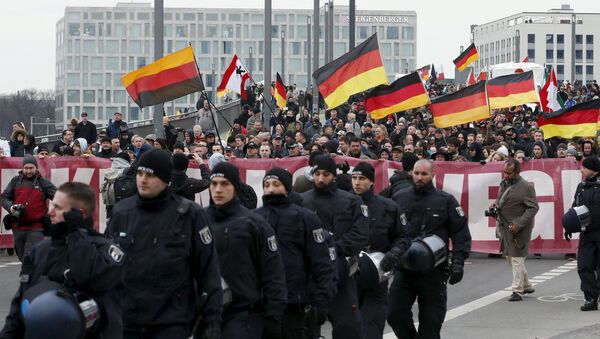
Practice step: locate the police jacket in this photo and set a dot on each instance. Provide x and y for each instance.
(250, 258)
(588, 194)
(433, 211)
(389, 226)
(342, 213)
(32, 192)
(94, 265)
(171, 261)
(303, 246)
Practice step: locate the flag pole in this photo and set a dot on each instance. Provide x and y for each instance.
(212, 115)
(264, 99)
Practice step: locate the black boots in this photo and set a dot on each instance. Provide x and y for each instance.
(590, 305)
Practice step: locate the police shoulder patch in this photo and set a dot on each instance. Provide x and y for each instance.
(460, 211)
(332, 253)
(116, 253)
(318, 235)
(365, 210)
(272, 243)
(205, 235)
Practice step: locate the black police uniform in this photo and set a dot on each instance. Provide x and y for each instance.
(588, 262)
(389, 228)
(80, 259)
(172, 266)
(430, 211)
(345, 215)
(251, 266)
(302, 241)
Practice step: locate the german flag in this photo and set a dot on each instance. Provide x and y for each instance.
(166, 79)
(354, 72)
(580, 120)
(512, 90)
(465, 58)
(280, 92)
(466, 105)
(405, 93)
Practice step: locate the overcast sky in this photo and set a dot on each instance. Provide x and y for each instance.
(27, 28)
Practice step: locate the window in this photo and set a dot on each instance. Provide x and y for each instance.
(407, 50)
(578, 39)
(97, 63)
(560, 38)
(549, 39)
(74, 30)
(386, 49)
(363, 32)
(205, 47)
(117, 80)
(89, 29)
(257, 18)
(212, 17)
(531, 53)
(578, 69)
(120, 30)
(96, 79)
(211, 31)
(531, 38)
(560, 54)
(189, 16)
(408, 33)
(589, 71)
(135, 46)
(181, 31)
(257, 31)
(227, 31)
(141, 62)
(89, 96)
(135, 30)
(295, 48)
(549, 54)
(578, 54)
(97, 16)
(589, 39)
(275, 31)
(393, 32)
(560, 69)
(143, 16)
(235, 17)
(73, 96)
(119, 96)
(301, 32)
(589, 55)
(294, 66)
(112, 63)
(227, 47)
(73, 80)
(89, 46)
(120, 16)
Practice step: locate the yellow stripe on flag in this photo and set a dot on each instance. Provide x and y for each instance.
(471, 59)
(173, 60)
(514, 100)
(359, 83)
(470, 115)
(414, 102)
(569, 131)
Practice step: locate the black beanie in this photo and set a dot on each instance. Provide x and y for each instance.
(592, 163)
(227, 171)
(157, 162)
(364, 168)
(325, 162)
(282, 175)
(30, 159)
(408, 161)
(180, 161)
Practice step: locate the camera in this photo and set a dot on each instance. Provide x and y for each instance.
(18, 210)
(491, 212)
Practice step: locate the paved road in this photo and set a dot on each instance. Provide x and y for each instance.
(477, 307)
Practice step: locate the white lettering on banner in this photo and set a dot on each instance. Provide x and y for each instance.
(544, 187)
(254, 178)
(479, 201)
(59, 176)
(453, 184)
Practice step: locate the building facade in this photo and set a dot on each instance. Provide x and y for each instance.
(97, 45)
(546, 38)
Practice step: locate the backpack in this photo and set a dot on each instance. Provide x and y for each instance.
(247, 196)
(125, 187)
(117, 186)
(108, 188)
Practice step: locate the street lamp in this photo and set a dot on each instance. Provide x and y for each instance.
(250, 50)
(308, 54)
(283, 56)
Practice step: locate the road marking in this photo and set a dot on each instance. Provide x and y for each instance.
(2, 266)
(494, 297)
(13, 263)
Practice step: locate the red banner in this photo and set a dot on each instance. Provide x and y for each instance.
(474, 185)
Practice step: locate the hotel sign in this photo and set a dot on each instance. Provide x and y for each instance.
(397, 19)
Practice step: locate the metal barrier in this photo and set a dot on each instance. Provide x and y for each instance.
(228, 111)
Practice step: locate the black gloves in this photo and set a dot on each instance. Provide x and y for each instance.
(344, 167)
(321, 313)
(272, 328)
(212, 330)
(73, 220)
(455, 273)
(391, 260)
(568, 236)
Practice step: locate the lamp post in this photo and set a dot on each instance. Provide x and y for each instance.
(283, 56)
(158, 53)
(308, 55)
(316, 14)
(267, 67)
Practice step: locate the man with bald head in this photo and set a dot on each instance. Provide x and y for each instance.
(430, 211)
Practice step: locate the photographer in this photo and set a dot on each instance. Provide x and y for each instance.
(25, 199)
(514, 210)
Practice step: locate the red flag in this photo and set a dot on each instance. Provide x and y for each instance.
(471, 79)
(549, 94)
(482, 76)
(526, 59)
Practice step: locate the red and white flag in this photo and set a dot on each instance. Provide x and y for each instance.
(471, 79)
(234, 78)
(526, 59)
(483, 75)
(440, 73)
(549, 94)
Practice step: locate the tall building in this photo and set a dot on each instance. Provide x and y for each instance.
(97, 45)
(560, 38)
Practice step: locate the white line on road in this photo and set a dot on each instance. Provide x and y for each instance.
(488, 299)
(558, 270)
(13, 263)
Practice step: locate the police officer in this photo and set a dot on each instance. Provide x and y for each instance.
(75, 257)
(172, 280)
(345, 215)
(304, 251)
(388, 230)
(588, 194)
(250, 261)
(431, 212)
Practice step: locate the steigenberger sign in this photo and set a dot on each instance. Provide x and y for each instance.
(397, 19)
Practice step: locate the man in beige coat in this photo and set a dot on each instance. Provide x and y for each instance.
(517, 206)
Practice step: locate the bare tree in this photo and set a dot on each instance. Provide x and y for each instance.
(23, 105)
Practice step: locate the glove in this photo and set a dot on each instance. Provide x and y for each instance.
(344, 167)
(568, 236)
(391, 260)
(321, 314)
(455, 274)
(212, 330)
(73, 220)
(272, 328)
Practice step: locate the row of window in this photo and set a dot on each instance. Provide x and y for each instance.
(560, 54)
(560, 39)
